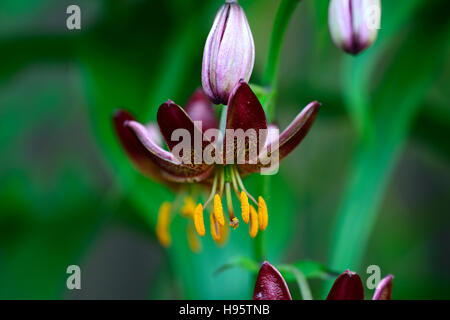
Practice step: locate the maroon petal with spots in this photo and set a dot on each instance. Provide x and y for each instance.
(384, 289)
(170, 167)
(244, 110)
(348, 286)
(291, 137)
(244, 113)
(171, 117)
(270, 285)
(199, 108)
(133, 147)
(288, 140)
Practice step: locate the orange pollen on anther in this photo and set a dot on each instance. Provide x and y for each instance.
(253, 227)
(198, 220)
(262, 214)
(245, 207)
(218, 210)
(163, 223)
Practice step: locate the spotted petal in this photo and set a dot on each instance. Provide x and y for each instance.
(245, 114)
(348, 286)
(172, 168)
(171, 118)
(134, 149)
(148, 157)
(297, 130)
(199, 108)
(384, 289)
(288, 140)
(270, 285)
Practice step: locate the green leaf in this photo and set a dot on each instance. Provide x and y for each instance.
(396, 102)
(309, 268)
(240, 262)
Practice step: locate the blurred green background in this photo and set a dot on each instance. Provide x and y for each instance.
(369, 185)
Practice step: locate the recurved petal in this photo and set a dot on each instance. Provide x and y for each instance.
(297, 129)
(291, 137)
(199, 108)
(384, 289)
(153, 132)
(276, 149)
(133, 147)
(348, 286)
(169, 167)
(270, 284)
(172, 117)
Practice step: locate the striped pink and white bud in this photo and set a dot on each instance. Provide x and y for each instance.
(354, 24)
(229, 53)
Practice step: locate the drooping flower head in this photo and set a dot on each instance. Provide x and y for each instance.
(354, 24)
(215, 159)
(229, 53)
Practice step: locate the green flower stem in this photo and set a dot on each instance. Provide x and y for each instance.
(270, 77)
(282, 18)
(302, 283)
(223, 120)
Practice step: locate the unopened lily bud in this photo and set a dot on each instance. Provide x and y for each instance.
(229, 53)
(354, 24)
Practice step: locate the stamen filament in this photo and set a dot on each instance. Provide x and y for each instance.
(222, 181)
(234, 183)
(241, 184)
(213, 189)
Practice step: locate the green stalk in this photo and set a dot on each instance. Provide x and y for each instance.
(302, 283)
(282, 18)
(270, 77)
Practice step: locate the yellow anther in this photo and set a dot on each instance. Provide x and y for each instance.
(245, 207)
(215, 232)
(162, 225)
(219, 233)
(262, 214)
(218, 210)
(253, 230)
(198, 220)
(223, 230)
(187, 210)
(193, 240)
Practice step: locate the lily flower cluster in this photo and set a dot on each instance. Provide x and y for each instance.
(270, 285)
(227, 65)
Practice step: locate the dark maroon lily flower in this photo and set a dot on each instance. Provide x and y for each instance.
(348, 286)
(270, 285)
(233, 156)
